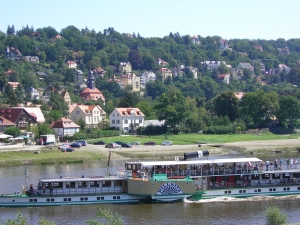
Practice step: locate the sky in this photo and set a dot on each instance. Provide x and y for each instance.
(241, 19)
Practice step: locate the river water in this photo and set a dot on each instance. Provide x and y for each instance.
(217, 211)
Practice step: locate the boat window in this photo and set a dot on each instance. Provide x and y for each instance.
(46, 184)
(266, 176)
(58, 184)
(92, 184)
(297, 175)
(254, 177)
(72, 184)
(68, 185)
(286, 175)
(129, 166)
(106, 183)
(97, 184)
(118, 183)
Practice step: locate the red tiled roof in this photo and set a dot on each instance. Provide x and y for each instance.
(128, 110)
(6, 122)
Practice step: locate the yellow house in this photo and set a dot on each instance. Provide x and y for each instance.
(165, 72)
(125, 67)
(92, 115)
(66, 97)
(131, 79)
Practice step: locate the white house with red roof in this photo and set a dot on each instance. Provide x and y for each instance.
(161, 62)
(195, 40)
(126, 120)
(71, 64)
(92, 115)
(165, 72)
(64, 126)
(225, 78)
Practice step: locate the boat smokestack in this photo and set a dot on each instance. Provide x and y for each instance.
(197, 154)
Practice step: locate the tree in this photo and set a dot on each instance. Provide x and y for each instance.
(41, 129)
(289, 112)
(171, 107)
(55, 115)
(14, 131)
(81, 123)
(109, 216)
(257, 108)
(147, 110)
(69, 76)
(135, 59)
(274, 216)
(226, 104)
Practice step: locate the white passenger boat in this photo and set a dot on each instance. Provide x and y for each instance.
(134, 184)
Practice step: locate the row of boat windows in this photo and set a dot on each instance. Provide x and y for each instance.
(259, 190)
(274, 176)
(70, 199)
(84, 184)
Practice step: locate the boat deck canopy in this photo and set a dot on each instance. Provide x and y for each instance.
(197, 162)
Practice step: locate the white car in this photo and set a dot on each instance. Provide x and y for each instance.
(167, 143)
(64, 146)
(134, 143)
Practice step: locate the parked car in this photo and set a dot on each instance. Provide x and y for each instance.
(112, 145)
(126, 145)
(83, 142)
(119, 142)
(63, 146)
(99, 143)
(134, 143)
(150, 143)
(67, 149)
(166, 143)
(75, 145)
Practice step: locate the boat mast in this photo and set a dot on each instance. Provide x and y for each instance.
(108, 162)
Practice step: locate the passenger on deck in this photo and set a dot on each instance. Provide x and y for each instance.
(267, 165)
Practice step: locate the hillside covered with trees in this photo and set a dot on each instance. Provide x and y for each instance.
(186, 103)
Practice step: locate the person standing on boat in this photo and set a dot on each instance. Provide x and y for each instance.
(275, 164)
(287, 163)
(267, 165)
(44, 189)
(280, 163)
(51, 189)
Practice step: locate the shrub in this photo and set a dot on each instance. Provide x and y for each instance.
(274, 216)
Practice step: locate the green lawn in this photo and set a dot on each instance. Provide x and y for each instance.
(186, 139)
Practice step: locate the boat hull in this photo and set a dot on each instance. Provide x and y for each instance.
(34, 201)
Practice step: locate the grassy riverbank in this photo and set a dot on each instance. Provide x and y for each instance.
(187, 139)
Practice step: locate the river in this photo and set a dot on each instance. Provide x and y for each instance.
(218, 211)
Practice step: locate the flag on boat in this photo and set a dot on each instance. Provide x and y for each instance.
(27, 173)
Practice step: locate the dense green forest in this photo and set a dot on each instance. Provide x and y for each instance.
(185, 103)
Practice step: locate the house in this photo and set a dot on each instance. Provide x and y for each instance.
(20, 117)
(131, 79)
(225, 78)
(81, 85)
(35, 112)
(14, 85)
(147, 76)
(92, 115)
(34, 94)
(13, 54)
(98, 72)
(71, 64)
(195, 40)
(32, 59)
(284, 51)
(41, 75)
(239, 95)
(212, 65)
(178, 71)
(56, 37)
(66, 97)
(125, 67)
(64, 127)
(161, 62)
(78, 75)
(223, 44)
(258, 47)
(245, 66)
(91, 93)
(193, 71)
(164, 72)
(126, 120)
(4, 123)
(283, 68)
(10, 73)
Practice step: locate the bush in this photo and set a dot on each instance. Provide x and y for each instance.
(220, 130)
(274, 216)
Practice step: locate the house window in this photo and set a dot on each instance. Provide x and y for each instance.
(77, 112)
(89, 119)
(126, 121)
(118, 121)
(140, 121)
(95, 118)
(113, 121)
